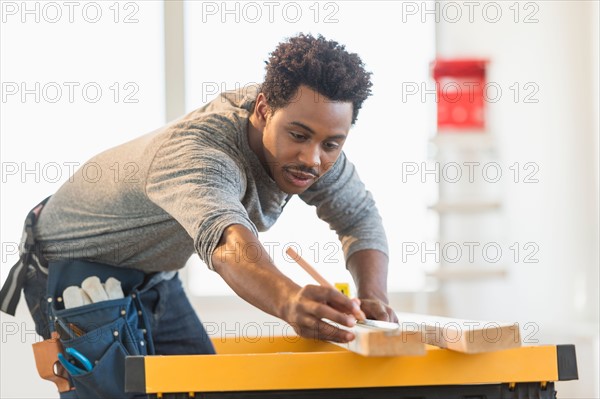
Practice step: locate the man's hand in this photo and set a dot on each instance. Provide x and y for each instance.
(258, 281)
(378, 310)
(369, 270)
(313, 303)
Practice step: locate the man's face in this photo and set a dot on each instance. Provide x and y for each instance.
(302, 141)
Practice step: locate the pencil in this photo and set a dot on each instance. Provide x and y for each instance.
(321, 280)
(315, 274)
(309, 269)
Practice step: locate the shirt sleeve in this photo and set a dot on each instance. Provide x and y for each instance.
(344, 203)
(200, 186)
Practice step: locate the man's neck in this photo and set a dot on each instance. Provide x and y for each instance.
(255, 139)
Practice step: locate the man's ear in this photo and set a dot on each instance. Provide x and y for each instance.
(261, 110)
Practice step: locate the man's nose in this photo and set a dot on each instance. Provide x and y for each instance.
(310, 156)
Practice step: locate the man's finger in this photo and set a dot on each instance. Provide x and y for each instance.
(328, 332)
(393, 318)
(377, 310)
(324, 311)
(357, 311)
(310, 327)
(342, 303)
(335, 299)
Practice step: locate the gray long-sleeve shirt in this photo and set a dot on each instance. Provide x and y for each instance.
(150, 203)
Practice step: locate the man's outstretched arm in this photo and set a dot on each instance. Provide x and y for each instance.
(241, 260)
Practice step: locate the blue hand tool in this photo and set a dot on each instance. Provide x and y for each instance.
(81, 359)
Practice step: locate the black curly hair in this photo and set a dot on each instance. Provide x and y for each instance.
(322, 65)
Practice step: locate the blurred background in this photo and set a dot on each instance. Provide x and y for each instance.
(495, 219)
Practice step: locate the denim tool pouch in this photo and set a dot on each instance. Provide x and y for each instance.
(104, 332)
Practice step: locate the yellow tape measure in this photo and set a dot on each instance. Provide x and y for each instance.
(344, 288)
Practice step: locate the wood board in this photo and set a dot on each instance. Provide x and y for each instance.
(461, 335)
(371, 341)
(416, 330)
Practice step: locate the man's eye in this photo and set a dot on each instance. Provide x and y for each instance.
(297, 136)
(331, 145)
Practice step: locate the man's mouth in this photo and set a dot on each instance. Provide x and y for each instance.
(299, 178)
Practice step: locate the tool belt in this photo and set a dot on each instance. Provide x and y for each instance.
(30, 263)
(103, 333)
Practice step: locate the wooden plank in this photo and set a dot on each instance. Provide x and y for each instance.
(466, 336)
(415, 330)
(383, 341)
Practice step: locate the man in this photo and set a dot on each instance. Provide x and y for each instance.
(208, 182)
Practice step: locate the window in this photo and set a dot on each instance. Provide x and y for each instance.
(77, 78)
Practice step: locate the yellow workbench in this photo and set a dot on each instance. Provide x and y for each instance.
(293, 367)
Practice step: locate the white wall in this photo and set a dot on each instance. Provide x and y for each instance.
(43, 135)
(558, 296)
